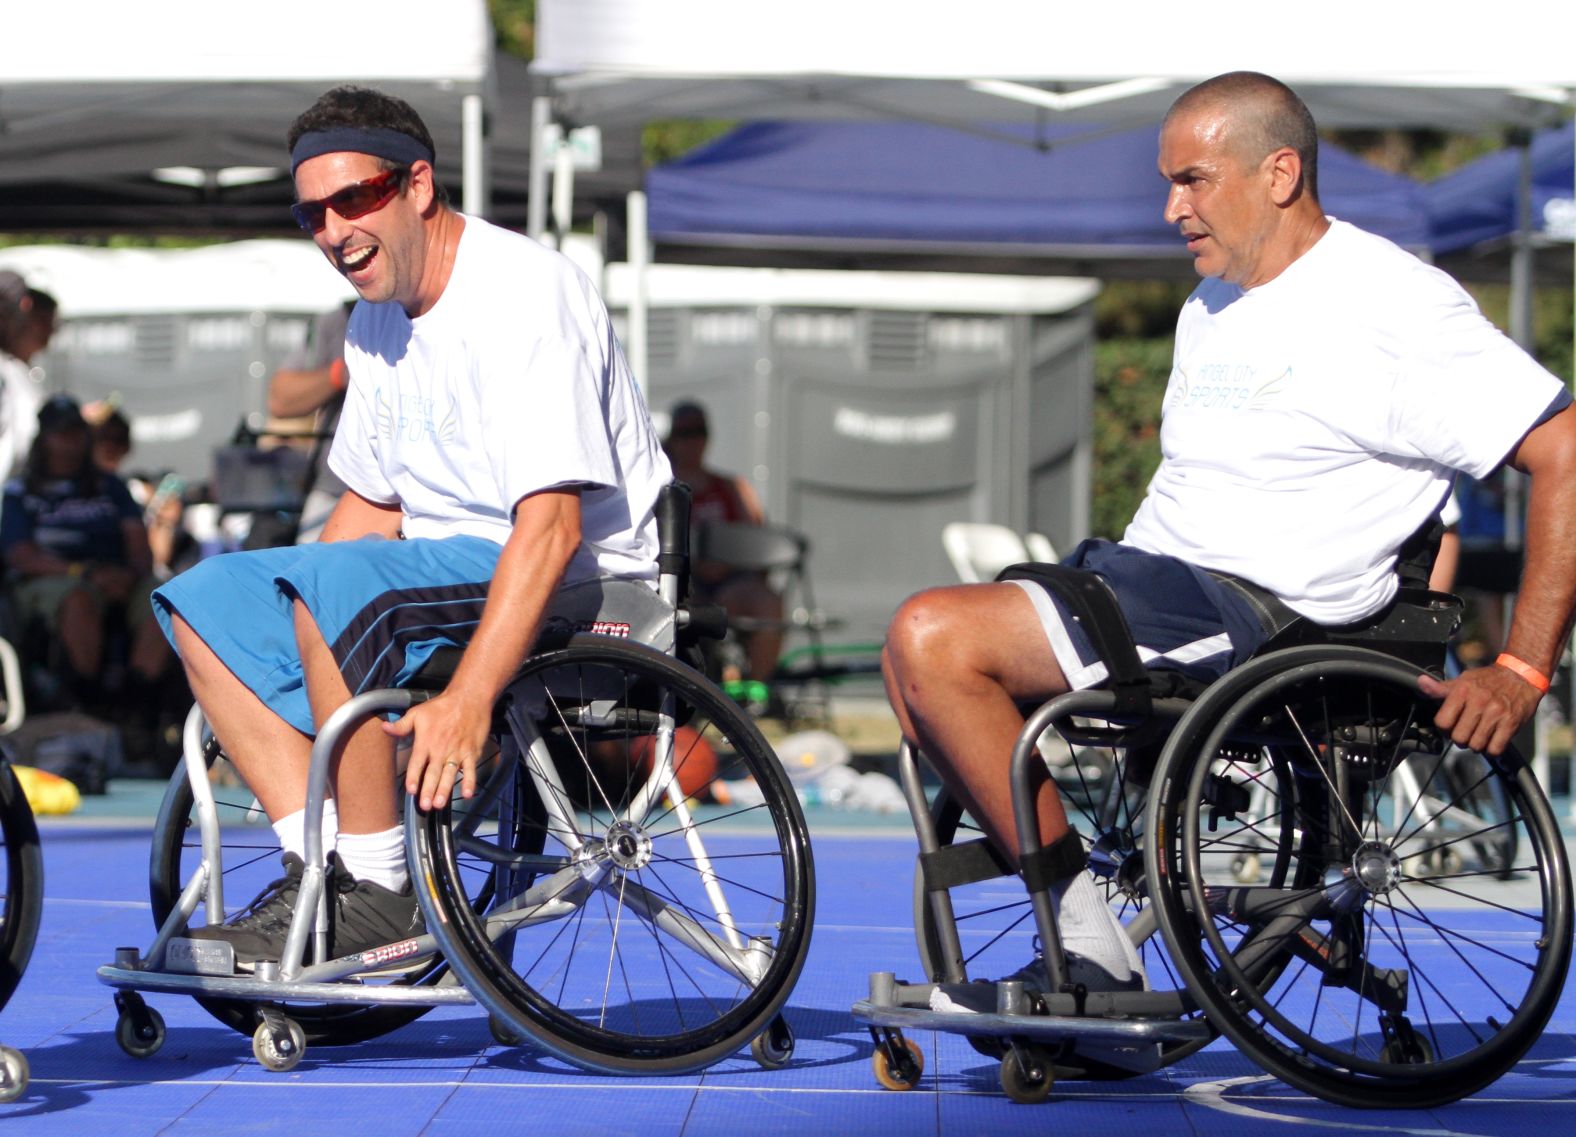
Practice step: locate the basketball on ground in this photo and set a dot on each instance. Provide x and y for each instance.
(694, 761)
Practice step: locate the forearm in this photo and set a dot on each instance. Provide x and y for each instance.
(295, 393)
(530, 568)
(354, 516)
(1544, 603)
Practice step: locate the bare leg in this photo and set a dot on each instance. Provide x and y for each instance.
(751, 597)
(957, 661)
(271, 756)
(363, 774)
(82, 632)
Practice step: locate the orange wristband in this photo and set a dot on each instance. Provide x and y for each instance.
(338, 374)
(1531, 674)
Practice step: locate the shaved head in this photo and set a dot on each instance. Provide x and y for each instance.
(1260, 115)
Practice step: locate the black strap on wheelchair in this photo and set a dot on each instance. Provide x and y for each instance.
(1273, 614)
(967, 863)
(1093, 605)
(1050, 865)
(673, 525)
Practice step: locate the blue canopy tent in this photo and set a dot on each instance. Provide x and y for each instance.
(1065, 198)
(1480, 202)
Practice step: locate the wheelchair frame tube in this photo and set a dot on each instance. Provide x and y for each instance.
(312, 896)
(940, 900)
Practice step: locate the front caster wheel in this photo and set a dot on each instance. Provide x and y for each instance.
(13, 1074)
(1027, 1076)
(279, 1051)
(140, 1031)
(773, 1047)
(903, 1071)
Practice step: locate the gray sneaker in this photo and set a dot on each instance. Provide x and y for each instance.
(258, 931)
(980, 997)
(374, 922)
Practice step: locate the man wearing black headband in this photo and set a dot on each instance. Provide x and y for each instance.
(491, 421)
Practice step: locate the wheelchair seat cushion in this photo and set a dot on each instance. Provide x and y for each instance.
(1180, 618)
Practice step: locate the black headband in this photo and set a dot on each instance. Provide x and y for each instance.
(378, 141)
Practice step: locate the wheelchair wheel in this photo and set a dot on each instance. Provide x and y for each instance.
(635, 931)
(1350, 977)
(22, 889)
(251, 860)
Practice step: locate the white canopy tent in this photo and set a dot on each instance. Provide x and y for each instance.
(1452, 65)
(188, 100)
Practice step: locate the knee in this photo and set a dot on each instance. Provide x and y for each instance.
(921, 631)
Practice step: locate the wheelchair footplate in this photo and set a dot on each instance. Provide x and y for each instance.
(1124, 1030)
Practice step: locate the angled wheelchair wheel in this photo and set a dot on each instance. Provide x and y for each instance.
(1352, 977)
(22, 889)
(251, 860)
(635, 929)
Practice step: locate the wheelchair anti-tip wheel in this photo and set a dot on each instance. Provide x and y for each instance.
(634, 929)
(1347, 975)
(251, 859)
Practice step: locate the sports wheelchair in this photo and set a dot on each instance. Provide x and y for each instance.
(1286, 882)
(580, 896)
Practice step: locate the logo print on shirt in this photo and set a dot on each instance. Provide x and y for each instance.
(414, 420)
(1224, 386)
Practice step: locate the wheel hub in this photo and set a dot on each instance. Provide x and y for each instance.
(627, 846)
(1376, 867)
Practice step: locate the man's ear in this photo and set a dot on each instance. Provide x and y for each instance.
(1285, 176)
(423, 186)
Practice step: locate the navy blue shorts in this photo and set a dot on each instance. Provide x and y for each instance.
(1181, 618)
(383, 606)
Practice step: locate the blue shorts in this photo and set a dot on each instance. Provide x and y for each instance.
(1181, 618)
(383, 607)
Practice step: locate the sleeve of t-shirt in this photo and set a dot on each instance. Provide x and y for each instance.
(1465, 393)
(545, 414)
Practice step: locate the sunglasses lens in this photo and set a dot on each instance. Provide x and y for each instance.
(359, 200)
(310, 215)
(350, 203)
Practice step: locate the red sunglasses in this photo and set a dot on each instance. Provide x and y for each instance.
(351, 202)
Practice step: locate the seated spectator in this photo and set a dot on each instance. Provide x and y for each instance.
(111, 435)
(720, 497)
(311, 385)
(76, 553)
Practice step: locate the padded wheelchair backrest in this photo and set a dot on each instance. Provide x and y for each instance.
(753, 548)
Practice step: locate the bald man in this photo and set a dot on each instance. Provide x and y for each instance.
(1325, 387)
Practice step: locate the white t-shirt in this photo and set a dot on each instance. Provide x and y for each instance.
(512, 383)
(1312, 423)
(20, 400)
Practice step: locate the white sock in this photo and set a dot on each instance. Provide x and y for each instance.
(291, 830)
(1089, 928)
(377, 857)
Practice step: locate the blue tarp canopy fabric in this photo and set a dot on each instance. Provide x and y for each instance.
(1047, 190)
(1477, 203)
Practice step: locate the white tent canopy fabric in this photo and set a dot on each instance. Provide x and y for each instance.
(93, 91)
(1358, 64)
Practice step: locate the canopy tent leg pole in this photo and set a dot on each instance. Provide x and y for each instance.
(639, 256)
(563, 192)
(536, 201)
(475, 193)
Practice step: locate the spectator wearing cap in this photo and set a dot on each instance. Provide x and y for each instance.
(76, 554)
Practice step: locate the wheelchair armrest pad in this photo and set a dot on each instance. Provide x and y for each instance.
(1093, 605)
